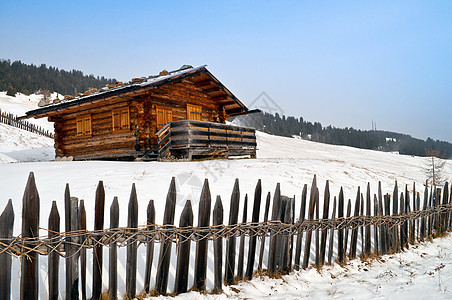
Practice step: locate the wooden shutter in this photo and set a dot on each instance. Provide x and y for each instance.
(125, 119)
(84, 125)
(194, 112)
(116, 118)
(80, 130)
(164, 115)
(87, 124)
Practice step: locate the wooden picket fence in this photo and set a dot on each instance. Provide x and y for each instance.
(12, 120)
(385, 224)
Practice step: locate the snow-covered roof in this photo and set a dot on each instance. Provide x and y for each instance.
(134, 85)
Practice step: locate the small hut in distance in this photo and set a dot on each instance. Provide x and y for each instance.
(178, 114)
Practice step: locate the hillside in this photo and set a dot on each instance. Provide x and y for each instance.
(365, 139)
(291, 162)
(28, 79)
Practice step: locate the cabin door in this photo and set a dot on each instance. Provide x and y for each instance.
(164, 115)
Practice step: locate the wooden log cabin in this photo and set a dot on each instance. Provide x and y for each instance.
(178, 114)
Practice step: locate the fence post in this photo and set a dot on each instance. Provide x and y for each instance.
(113, 253)
(317, 232)
(402, 227)
(165, 247)
(97, 253)
(218, 246)
(382, 236)
(230, 243)
(82, 223)
(362, 227)
(132, 224)
(183, 249)
(242, 241)
(340, 232)
(6, 232)
(330, 247)
(349, 211)
(395, 211)
(202, 245)
(445, 214)
(74, 253)
(300, 232)
(67, 245)
(354, 237)
(326, 207)
(149, 245)
(368, 214)
(54, 230)
(30, 229)
(307, 248)
(261, 252)
(376, 227)
(272, 255)
(253, 237)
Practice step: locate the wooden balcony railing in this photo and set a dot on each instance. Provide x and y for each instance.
(196, 139)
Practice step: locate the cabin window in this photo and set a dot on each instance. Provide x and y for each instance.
(164, 116)
(120, 119)
(84, 125)
(194, 112)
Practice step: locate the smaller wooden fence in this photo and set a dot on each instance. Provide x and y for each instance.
(11, 120)
(197, 139)
(385, 224)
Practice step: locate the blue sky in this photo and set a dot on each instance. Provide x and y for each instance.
(343, 63)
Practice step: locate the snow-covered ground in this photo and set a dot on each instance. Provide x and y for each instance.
(291, 162)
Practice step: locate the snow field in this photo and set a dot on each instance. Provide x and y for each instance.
(291, 162)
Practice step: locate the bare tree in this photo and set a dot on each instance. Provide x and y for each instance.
(434, 168)
(46, 97)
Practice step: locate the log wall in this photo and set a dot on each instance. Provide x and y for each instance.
(106, 143)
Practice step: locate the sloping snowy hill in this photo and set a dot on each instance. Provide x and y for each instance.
(291, 162)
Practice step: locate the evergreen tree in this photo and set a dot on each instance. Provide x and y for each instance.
(11, 91)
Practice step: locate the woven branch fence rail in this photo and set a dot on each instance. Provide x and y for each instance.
(387, 224)
(11, 120)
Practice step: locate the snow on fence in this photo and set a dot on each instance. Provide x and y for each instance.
(11, 120)
(387, 224)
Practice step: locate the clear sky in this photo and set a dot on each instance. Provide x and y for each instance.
(343, 63)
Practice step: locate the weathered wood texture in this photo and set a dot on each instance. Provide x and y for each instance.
(165, 247)
(113, 253)
(97, 253)
(150, 245)
(131, 266)
(218, 247)
(230, 244)
(253, 239)
(30, 229)
(183, 250)
(6, 232)
(202, 245)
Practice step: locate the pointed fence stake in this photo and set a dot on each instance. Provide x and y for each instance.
(300, 232)
(183, 250)
(132, 224)
(253, 238)
(113, 253)
(218, 246)
(30, 229)
(6, 232)
(261, 252)
(202, 245)
(230, 243)
(165, 247)
(97, 252)
(150, 245)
